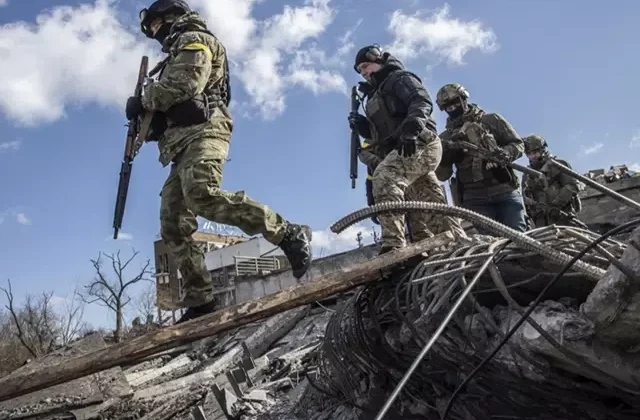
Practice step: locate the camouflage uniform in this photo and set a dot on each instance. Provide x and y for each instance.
(553, 200)
(491, 191)
(197, 153)
(401, 107)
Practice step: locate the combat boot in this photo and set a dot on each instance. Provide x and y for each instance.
(296, 245)
(197, 312)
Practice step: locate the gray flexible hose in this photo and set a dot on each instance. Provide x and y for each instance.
(519, 238)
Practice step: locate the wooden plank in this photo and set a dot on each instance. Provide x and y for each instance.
(223, 320)
(79, 393)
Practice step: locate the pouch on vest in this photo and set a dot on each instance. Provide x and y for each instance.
(190, 112)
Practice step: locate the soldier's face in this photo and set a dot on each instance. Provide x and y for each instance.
(533, 155)
(156, 24)
(455, 109)
(367, 68)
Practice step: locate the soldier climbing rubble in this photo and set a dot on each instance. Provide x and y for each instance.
(485, 186)
(192, 95)
(402, 148)
(554, 199)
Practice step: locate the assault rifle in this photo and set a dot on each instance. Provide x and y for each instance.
(137, 131)
(355, 139)
(488, 155)
(546, 209)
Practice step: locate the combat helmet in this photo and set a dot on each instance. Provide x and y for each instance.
(450, 93)
(534, 143)
(160, 8)
(370, 53)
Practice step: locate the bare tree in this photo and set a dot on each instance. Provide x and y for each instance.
(146, 304)
(113, 293)
(36, 324)
(16, 321)
(72, 325)
(359, 239)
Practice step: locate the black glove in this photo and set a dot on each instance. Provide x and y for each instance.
(356, 120)
(501, 157)
(134, 107)
(407, 146)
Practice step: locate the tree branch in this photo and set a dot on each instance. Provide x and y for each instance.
(20, 333)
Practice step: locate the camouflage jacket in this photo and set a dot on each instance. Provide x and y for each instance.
(196, 61)
(558, 190)
(489, 181)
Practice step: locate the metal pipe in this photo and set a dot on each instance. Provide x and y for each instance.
(608, 191)
(609, 256)
(444, 273)
(433, 339)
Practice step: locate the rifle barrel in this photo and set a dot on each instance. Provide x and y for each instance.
(355, 140)
(525, 169)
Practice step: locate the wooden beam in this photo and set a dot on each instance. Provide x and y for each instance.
(223, 320)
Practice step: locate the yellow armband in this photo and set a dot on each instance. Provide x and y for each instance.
(198, 46)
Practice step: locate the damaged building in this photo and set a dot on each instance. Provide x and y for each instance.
(542, 325)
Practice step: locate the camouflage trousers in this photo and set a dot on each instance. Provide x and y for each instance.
(412, 179)
(193, 189)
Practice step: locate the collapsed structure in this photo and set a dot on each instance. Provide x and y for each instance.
(541, 325)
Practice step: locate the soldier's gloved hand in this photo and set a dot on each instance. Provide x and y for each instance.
(134, 107)
(356, 120)
(407, 146)
(502, 156)
(499, 158)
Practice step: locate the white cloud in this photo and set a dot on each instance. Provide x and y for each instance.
(71, 55)
(4, 3)
(122, 236)
(84, 55)
(23, 219)
(279, 37)
(635, 167)
(303, 71)
(326, 242)
(592, 149)
(10, 145)
(635, 139)
(346, 43)
(438, 34)
(14, 213)
(74, 56)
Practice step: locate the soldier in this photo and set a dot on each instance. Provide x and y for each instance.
(403, 146)
(484, 187)
(193, 93)
(553, 200)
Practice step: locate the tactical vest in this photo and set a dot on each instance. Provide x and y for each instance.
(200, 108)
(384, 122)
(472, 172)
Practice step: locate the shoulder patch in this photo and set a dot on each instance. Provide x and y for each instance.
(198, 46)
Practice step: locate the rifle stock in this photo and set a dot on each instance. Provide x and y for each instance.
(136, 134)
(355, 140)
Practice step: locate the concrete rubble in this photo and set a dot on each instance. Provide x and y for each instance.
(340, 358)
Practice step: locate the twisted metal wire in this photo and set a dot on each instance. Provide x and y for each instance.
(375, 336)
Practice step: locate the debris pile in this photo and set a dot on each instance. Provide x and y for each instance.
(471, 313)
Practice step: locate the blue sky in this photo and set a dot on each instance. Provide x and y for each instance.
(562, 69)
